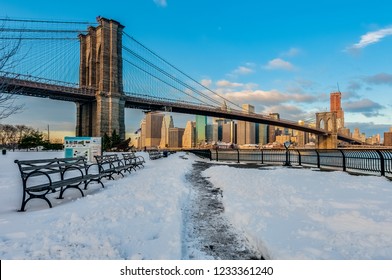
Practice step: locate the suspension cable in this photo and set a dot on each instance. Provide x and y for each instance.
(45, 21)
(156, 55)
(170, 76)
(156, 77)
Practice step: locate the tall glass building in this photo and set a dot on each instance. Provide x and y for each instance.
(201, 129)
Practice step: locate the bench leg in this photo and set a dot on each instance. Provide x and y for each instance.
(95, 180)
(31, 196)
(69, 187)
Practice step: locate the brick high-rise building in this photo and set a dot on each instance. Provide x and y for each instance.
(336, 106)
(388, 138)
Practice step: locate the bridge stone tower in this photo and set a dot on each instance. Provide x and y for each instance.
(327, 121)
(101, 69)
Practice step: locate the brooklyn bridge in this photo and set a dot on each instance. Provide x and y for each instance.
(103, 70)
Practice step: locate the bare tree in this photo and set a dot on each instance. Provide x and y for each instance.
(8, 50)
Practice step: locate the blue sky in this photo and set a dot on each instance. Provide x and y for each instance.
(281, 56)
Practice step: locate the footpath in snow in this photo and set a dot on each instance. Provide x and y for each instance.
(285, 213)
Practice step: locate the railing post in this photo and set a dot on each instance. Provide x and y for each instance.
(382, 162)
(262, 156)
(238, 155)
(318, 158)
(299, 157)
(344, 160)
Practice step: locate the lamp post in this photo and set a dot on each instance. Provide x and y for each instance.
(287, 146)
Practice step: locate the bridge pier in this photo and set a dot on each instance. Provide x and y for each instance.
(84, 119)
(327, 141)
(101, 68)
(327, 121)
(104, 115)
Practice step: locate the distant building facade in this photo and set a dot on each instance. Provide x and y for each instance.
(189, 137)
(201, 130)
(175, 137)
(142, 137)
(153, 129)
(246, 130)
(229, 132)
(167, 123)
(388, 138)
(261, 134)
(272, 128)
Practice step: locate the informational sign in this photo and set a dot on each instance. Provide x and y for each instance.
(83, 146)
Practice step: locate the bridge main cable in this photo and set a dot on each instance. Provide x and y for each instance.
(174, 67)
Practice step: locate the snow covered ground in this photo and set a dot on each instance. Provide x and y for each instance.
(287, 213)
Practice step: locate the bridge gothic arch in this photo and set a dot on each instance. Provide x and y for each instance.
(322, 124)
(327, 121)
(329, 126)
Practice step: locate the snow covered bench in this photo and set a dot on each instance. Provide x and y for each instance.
(112, 164)
(154, 154)
(43, 176)
(132, 159)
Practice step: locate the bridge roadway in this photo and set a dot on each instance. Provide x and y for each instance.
(71, 92)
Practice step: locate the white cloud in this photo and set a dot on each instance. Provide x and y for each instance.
(291, 52)
(206, 82)
(161, 3)
(372, 38)
(268, 97)
(225, 83)
(279, 64)
(242, 70)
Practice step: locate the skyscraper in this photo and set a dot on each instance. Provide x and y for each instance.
(388, 138)
(246, 130)
(167, 123)
(302, 137)
(201, 129)
(272, 128)
(261, 134)
(175, 137)
(229, 132)
(153, 129)
(335, 106)
(189, 137)
(142, 138)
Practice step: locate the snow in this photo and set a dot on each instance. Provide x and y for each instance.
(286, 213)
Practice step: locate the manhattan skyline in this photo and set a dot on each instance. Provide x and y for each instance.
(280, 57)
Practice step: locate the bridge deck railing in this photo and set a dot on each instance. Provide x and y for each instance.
(369, 161)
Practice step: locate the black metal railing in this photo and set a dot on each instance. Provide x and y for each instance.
(365, 161)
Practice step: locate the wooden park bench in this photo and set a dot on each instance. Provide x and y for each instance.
(43, 176)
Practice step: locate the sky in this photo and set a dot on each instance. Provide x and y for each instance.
(281, 56)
